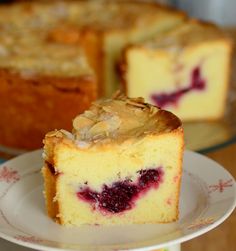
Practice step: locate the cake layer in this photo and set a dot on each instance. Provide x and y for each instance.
(185, 71)
(122, 164)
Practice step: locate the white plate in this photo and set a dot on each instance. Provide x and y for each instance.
(208, 197)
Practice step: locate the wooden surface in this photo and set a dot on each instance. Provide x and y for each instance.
(223, 238)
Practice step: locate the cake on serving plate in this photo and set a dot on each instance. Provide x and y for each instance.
(122, 164)
(185, 70)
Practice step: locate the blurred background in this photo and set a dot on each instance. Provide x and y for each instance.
(221, 12)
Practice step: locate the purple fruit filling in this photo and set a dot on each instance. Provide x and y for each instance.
(164, 99)
(121, 195)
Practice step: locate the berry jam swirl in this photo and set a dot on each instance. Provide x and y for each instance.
(121, 195)
(172, 98)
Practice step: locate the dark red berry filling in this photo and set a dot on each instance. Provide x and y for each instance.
(121, 195)
(164, 99)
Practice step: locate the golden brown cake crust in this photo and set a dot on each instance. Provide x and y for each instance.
(50, 180)
(29, 106)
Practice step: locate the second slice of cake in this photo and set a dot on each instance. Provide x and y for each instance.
(121, 165)
(185, 71)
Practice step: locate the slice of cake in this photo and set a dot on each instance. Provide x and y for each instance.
(122, 164)
(185, 71)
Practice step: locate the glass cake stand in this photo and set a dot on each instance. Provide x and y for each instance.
(207, 136)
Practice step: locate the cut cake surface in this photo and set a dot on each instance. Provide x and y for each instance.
(185, 71)
(121, 165)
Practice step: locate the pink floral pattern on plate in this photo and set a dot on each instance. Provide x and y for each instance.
(30, 239)
(8, 175)
(199, 223)
(221, 186)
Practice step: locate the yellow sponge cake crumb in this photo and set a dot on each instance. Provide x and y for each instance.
(185, 71)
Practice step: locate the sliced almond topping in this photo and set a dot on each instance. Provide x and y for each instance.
(99, 128)
(138, 112)
(136, 104)
(89, 114)
(107, 109)
(138, 100)
(153, 110)
(54, 133)
(114, 123)
(81, 122)
(67, 134)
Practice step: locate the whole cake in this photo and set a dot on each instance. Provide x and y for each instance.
(122, 164)
(44, 74)
(185, 70)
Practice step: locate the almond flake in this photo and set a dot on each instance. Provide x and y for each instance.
(81, 122)
(133, 103)
(99, 128)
